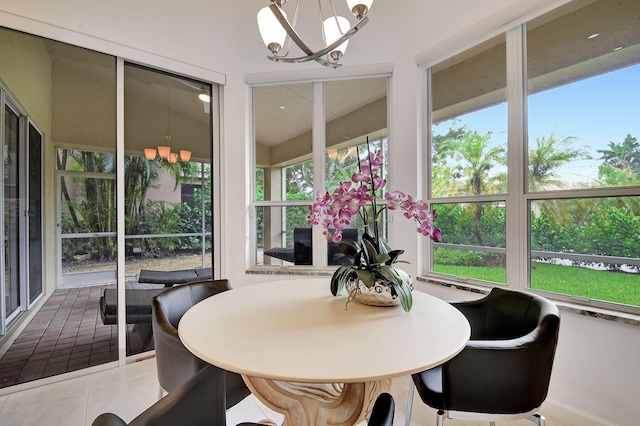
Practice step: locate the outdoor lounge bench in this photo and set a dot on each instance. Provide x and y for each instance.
(138, 305)
(170, 278)
(301, 253)
(138, 310)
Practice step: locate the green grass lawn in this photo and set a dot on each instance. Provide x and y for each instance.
(615, 287)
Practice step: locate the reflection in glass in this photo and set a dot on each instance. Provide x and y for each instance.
(167, 203)
(295, 246)
(282, 121)
(67, 98)
(11, 201)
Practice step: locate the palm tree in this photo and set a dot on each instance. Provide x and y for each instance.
(625, 155)
(549, 155)
(475, 161)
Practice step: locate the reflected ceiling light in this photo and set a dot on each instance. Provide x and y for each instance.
(204, 97)
(150, 154)
(593, 36)
(336, 30)
(164, 150)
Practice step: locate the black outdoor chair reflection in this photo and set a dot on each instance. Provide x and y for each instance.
(301, 252)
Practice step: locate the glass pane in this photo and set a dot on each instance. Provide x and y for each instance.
(473, 241)
(355, 111)
(35, 214)
(168, 211)
(298, 181)
(470, 122)
(584, 96)
(587, 248)
(11, 165)
(341, 164)
(88, 204)
(283, 119)
(88, 254)
(284, 236)
(67, 97)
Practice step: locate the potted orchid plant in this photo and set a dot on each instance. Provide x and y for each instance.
(371, 260)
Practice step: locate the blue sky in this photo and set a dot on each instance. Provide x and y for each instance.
(596, 111)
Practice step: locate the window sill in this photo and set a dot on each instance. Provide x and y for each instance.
(575, 308)
(290, 270)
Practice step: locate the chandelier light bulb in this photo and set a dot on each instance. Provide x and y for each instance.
(150, 154)
(333, 33)
(273, 34)
(164, 151)
(359, 8)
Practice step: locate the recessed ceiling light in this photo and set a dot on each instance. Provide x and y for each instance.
(281, 107)
(593, 36)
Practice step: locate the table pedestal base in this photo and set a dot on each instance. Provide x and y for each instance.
(315, 404)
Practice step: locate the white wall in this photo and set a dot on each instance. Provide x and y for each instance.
(596, 378)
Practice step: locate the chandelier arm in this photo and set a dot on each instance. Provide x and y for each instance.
(313, 56)
(301, 59)
(289, 29)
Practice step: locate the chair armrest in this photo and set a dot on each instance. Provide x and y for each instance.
(108, 419)
(199, 401)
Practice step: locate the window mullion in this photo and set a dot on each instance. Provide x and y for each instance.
(318, 140)
(517, 235)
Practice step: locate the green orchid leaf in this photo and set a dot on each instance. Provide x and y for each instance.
(381, 258)
(339, 278)
(406, 278)
(369, 239)
(348, 249)
(389, 273)
(405, 295)
(368, 278)
(384, 247)
(393, 256)
(370, 250)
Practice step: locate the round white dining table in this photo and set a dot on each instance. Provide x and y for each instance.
(313, 357)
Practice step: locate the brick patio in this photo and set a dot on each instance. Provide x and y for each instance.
(67, 334)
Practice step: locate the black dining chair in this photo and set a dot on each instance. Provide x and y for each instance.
(198, 401)
(503, 372)
(381, 415)
(174, 363)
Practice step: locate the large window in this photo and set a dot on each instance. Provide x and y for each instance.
(308, 137)
(551, 200)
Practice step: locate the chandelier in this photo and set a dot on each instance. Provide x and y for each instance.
(274, 27)
(165, 151)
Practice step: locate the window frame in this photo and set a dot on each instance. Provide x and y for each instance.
(518, 197)
(318, 80)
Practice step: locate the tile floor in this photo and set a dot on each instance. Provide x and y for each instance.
(129, 390)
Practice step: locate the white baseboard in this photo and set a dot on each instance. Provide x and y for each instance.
(561, 414)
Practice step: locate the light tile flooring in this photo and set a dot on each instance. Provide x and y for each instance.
(129, 390)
